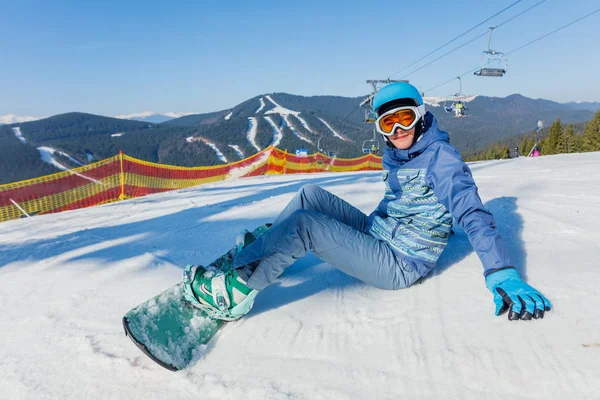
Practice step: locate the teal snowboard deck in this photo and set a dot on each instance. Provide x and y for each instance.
(169, 329)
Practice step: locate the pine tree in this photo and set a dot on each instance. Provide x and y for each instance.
(591, 137)
(504, 151)
(577, 144)
(525, 146)
(568, 138)
(553, 139)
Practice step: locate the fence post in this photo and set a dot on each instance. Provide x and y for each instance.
(122, 195)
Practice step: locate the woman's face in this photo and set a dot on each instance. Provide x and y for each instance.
(403, 139)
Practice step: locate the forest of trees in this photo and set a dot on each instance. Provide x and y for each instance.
(19, 161)
(557, 139)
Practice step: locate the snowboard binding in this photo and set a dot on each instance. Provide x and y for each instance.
(219, 305)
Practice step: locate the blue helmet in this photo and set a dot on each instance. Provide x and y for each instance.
(396, 94)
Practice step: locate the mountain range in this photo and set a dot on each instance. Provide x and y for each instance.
(330, 124)
(154, 117)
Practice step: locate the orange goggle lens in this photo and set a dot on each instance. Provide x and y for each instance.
(403, 117)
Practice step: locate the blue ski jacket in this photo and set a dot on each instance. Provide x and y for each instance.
(426, 187)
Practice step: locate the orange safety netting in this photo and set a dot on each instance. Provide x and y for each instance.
(121, 177)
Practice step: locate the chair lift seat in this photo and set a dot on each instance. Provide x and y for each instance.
(491, 72)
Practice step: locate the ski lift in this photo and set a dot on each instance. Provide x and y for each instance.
(499, 63)
(372, 148)
(454, 103)
(369, 116)
(370, 144)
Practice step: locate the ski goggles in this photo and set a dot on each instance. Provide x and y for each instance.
(404, 117)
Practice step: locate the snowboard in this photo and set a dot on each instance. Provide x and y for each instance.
(169, 329)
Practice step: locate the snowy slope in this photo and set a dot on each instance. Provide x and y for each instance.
(67, 279)
(19, 134)
(47, 156)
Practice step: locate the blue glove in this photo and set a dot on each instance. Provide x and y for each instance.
(511, 293)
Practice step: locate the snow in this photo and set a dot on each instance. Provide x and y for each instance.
(117, 134)
(47, 155)
(285, 112)
(293, 129)
(67, 279)
(180, 114)
(220, 155)
(238, 151)
(19, 135)
(262, 105)
(337, 135)
(251, 133)
(147, 114)
(144, 114)
(303, 122)
(228, 116)
(15, 119)
(277, 134)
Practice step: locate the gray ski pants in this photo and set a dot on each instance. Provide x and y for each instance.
(334, 231)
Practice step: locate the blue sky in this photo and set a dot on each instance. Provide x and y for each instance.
(116, 57)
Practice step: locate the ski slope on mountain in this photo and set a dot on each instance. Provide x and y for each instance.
(67, 279)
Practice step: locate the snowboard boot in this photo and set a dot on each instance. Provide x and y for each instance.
(223, 295)
(220, 290)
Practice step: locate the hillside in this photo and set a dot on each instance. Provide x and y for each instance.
(330, 124)
(316, 333)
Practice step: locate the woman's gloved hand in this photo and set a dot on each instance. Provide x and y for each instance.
(513, 295)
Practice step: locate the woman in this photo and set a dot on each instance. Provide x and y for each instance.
(427, 187)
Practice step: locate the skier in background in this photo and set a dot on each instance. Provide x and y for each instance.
(459, 109)
(427, 187)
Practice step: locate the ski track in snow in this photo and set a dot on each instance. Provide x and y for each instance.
(277, 135)
(19, 135)
(278, 109)
(337, 135)
(220, 155)
(47, 156)
(238, 151)
(293, 129)
(262, 105)
(303, 122)
(251, 133)
(316, 333)
(47, 153)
